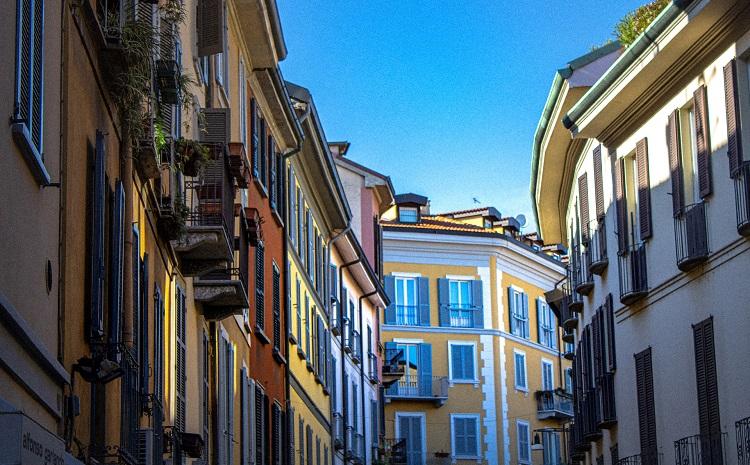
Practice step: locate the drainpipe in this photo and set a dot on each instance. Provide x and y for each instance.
(344, 403)
(362, 368)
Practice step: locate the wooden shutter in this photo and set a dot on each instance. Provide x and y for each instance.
(275, 434)
(260, 317)
(620, 204)
(259, 425)
(644, 188)
(96, 254)
(425, 369)
(272, 188)
(230, 402)
(702, 141)
(216, 125)
(290, 430)
(251, 417)
(598, 183)
(525, 300)
(539, 321)
(254, 137)
(511, 310)
(444, 312)
(596, 346)
(143, 351)
(476, 303)
(610, 329)
(117, 235)
(734, 133)
(646, 407)
(276, 309)
(423, 288)
(210, 27)
(675, 162)
(244, 420)
(705, 372)
(583, 205)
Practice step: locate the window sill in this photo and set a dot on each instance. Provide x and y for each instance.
(525, 390)
(310, 367)
(261, 187)
(278, 357)
(301, 353)
(261, 335)
(277, 217)
(326, 391)
(32, 156)
(292, 339)
(475, 382)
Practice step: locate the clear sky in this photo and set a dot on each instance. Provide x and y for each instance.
(443, 96)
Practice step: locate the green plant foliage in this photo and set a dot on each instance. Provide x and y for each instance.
(635, 22)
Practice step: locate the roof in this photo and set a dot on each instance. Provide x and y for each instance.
(410, 198)
(480, 211)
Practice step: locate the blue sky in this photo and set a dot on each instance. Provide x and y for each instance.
(443, 96)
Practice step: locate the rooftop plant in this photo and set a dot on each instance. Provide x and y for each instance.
(635, 22)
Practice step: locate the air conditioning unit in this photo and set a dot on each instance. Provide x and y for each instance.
(145, 455)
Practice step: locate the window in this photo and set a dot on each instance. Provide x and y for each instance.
(524, 445)
(260, 424)
(460, 304)
(569, 380)
(464, 436)
(263, 152)
(242, 90)
(548, 379)
(462, 361)
(276, 309)
(260, 318)
(205, 393)
(181, 375)
(307, 323)
(406, 301)
(630, 172)
(547, 325)
(520, 371)
(408, 214)
(551, 444)
(299, 311)
(27, 122)
(222, 59)
(519, 312)
(689, 151)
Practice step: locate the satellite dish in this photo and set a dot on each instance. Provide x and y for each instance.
(521, 220)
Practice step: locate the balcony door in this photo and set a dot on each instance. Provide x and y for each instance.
(460, 304)
(410, 382)
(406, 301)
(411, 428)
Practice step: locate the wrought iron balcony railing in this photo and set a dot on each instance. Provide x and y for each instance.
(553, 404)
(582, 279)
(691, 236)
(373, 367)
(597, 246)
(605, 396)
(742, 431)
(701, 449)
(338, 431)
(633, 273)
(462, 316)
(407, 315)
(394, 451)
(420, 387)
(742, 198)
(644, 458)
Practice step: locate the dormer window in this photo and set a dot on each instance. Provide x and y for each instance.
(487, 224)
(408, 214)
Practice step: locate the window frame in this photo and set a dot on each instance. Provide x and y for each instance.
(518, 317)
(551, 365)
(402, 209)
(525, 424)
(525, 386)
(477, 429)
(402, 281)
(550, 330)
(474, 379)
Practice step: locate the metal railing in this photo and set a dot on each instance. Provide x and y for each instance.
(589, 415)
(644, 458)
(130, 403)
(353, 341)
(742, 198)
(742, 431)
(582, 280)
(568, 318)
(419, 387)
(700, 449)
(691, 236)
(462, 316)
(373, 367)
(605, 396)
(338, 431)
(597, 246)
(358, 447)
(552, 402)
(228, 274)
(633, 273)
(394, 451)
(407, 315)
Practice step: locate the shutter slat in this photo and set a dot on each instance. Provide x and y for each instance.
(477, 303)
(211, 27)
(216, 125)
(675, 162)
(734, 134)
(444, 317)
(98, 200)
(646, 407)
(583, 205)
(620, 205)
(598, 182)
(390, 290)
(702, 141)
(423, 285)
(644, 188)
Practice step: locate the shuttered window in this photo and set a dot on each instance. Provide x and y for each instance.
(260, 317)
(276, 435)
(117, 234)
(263, 151)
(675, 162)
(309, 444)
(254, 135)
(300, 242)
(260, 425)
(618, 175)
(242, 91)
(598, 182)
(583, 205)
(546, 324)
(462, 357)
(205, 392)
(210, 22)
(646, 407)
(245, 420)
(290, 426)
(143, 352)
(276, 308)
(520, 371)
(180, 369)
(465, 436)
(292, 207)
(27, 121)
(524, 442)
(518, 303)
(298, 293)
(272, 188)
(644, 189)
(702, 141)
(301, 441)
(734, 132)
(97, 204)
(708, 390)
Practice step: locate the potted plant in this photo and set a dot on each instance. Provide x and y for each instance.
(168, 78)
(174, 226)
(191, 156)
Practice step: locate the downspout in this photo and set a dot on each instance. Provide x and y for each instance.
(362, 368)
(344, 403)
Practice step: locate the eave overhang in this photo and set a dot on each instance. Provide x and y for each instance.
(350, 250)
(261, 29)
(275, 95)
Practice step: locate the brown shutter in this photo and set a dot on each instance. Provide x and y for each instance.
(596, 333)
(610, 330)
(210, 27)
(702, 141)
(734, 135)
(705, 373)
(620, 205)
(216, 125)
(583, 204)
(598, 184)
(675, 162)
(646, 407)
(644, 188)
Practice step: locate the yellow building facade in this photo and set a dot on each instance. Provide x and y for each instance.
(483, 373)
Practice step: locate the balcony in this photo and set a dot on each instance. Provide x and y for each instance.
(392, 370)
(393, 451)
(420, 388)
(633, 275)
(577, 447)
(337, 323)
(742, 198)
(355, 445)
(700, 449)
(582, 279)
(239, 165)
(605, 395)
(208, 239)
(650, 458)
(568, 318)
(221, 293)
(373, 366)
(407, 315)
(569, 336)
(742, 430)
(569, 353)
(172, 213)
(338, 431)
(597, 247)
(691, 236)
(553, 405)
(589, 416)
(463, 316)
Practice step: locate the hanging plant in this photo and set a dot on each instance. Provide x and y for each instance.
(191, 156)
